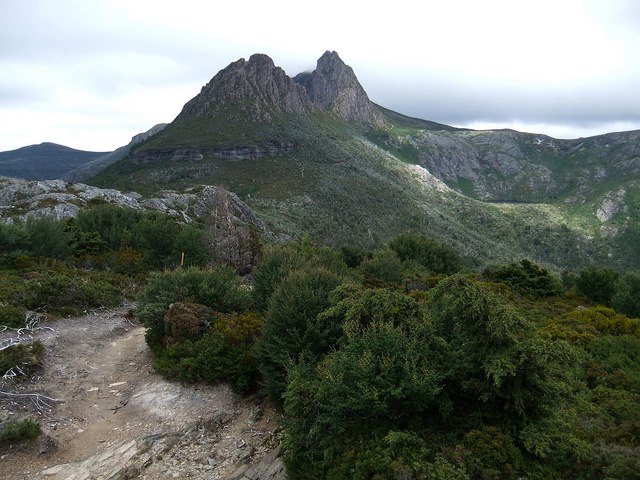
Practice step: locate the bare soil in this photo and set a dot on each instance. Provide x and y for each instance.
(99, 365)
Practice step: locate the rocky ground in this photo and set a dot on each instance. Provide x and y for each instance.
(116, 419)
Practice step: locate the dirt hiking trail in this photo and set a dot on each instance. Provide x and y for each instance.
(119, 420)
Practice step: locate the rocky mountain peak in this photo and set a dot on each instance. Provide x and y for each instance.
(333, 86)
(256, 88)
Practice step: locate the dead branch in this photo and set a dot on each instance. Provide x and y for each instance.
(26, 333)
(40, 401)
(38, 396)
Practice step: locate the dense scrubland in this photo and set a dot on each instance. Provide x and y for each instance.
(393, 362)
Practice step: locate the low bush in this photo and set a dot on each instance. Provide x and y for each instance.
(527, 278)
(225, 352)
(585, 324)
(71, 291)
(19, 430)
(12, 316)
(436, 257)
(26, 356)
(220, 289)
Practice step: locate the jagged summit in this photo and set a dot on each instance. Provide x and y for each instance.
(333, 86)
(256, 88)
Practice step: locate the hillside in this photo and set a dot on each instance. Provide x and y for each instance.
(46, 161)
(93, 167)
(313, 154)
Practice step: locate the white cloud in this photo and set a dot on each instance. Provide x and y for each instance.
(92, 74)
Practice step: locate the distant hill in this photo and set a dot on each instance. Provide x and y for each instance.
(46, 161)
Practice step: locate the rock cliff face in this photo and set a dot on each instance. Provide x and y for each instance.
(256, 88)
(259, 89)
(333, 86)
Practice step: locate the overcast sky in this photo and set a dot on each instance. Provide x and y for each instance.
(90, 74)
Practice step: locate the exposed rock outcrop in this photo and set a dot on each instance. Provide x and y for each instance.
(20, 199)
(333, 86)
(611, 204)
(256, 88)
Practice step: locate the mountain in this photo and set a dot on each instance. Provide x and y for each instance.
(313, 154)
(43, 162)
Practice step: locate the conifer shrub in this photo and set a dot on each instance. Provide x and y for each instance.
(279, 260)
(527, 278)
(19, 430)
(627, 297)
(292, 327)
(497, 366)
(383, 268)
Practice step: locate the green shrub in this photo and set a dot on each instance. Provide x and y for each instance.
(615, 362)
(584, 324)
(49, 238)
(12, 316)
(384, 379)
(27, 356)
(597, 284)
(13, 238)
(279, 260)
(224, 353)
(384, 267)
(71, 291)
(19, 430)
(496, 366)
(220, 289)
(490, 453)
(627, 297)
(436, 257)
(526, 277)
(292, 326)
(353, 255)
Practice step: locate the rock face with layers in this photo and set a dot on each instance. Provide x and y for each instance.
(333, 86)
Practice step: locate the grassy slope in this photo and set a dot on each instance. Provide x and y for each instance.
(341, 187)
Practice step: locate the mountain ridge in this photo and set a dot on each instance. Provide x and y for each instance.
(305, 154)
